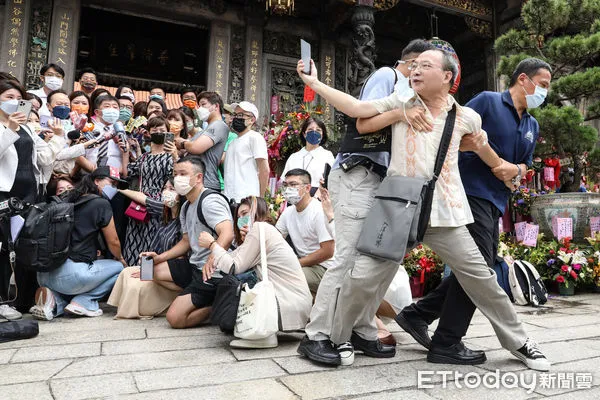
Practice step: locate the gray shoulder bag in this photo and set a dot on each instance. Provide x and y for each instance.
(400, 213)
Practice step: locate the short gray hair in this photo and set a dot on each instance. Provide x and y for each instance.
(449, 63)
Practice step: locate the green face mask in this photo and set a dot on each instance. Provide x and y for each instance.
(243, 221)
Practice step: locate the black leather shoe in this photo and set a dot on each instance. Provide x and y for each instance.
(372, 348)
(321, 351)
(415, 327)
(455, 354)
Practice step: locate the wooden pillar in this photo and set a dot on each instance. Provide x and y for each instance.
(64, 31)
(218, 66)
(15, 26)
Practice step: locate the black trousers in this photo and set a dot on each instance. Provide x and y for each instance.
(448, 301)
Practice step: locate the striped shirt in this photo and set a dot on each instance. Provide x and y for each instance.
(167, 236)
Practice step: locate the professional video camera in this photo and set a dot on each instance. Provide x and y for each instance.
(11, 207)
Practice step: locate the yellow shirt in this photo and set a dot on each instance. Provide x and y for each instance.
(413, 154)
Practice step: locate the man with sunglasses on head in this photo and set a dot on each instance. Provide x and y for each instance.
(246, 166)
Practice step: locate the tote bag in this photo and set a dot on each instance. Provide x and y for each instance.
(258, 316)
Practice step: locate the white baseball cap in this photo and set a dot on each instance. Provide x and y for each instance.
(249, 107)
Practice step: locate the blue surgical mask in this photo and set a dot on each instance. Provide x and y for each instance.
(313, 137)
(61, 112)
(243, 221)
(156, 97)
(109, 191)
(537, 98)
(110, 115)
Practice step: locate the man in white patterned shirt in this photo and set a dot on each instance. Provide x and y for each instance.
(413, 154)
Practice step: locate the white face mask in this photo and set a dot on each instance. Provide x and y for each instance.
(53, 82)
(537, 98)
(203, 113)
(182, 185)
(9, 106)
(169, 198)
(292, 195)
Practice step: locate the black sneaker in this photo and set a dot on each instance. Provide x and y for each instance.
(532, 356)
(321, 351)
(415, 327)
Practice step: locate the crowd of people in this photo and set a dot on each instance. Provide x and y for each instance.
(184, 188)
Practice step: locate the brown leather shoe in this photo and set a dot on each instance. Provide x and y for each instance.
(389, 339)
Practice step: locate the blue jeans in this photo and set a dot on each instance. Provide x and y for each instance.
(81, 283)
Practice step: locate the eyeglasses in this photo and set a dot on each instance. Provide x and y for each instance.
(293, 184)
(242, 115)
(425, 66)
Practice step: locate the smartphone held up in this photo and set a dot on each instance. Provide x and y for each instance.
(305, 55)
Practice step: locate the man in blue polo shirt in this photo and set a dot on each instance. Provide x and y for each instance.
(512, 132)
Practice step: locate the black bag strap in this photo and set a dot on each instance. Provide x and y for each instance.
(444, 143)
(204, 195)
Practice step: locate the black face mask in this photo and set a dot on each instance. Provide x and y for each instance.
(238, 125)
(157, 138)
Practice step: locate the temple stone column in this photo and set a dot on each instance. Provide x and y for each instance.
(64, 32)
(15, 25)
(218, 66)
(254, 66)
(327, 70)
(363, 47)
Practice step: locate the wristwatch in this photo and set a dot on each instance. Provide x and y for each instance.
(517, 179)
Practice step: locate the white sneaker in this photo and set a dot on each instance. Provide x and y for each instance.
(346, 351)
(266, 343)
(76, 309)
(9, 313)
(44, 304)
(531, 356)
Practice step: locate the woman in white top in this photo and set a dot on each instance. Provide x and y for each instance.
(291, 289)
(312, 157)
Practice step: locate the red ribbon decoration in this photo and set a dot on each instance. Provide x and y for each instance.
(554, 163)
(309, 94)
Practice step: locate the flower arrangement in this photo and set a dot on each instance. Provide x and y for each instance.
(282, 133)
(523, 197)
(421, 261)
(568, 265)
(275, 202)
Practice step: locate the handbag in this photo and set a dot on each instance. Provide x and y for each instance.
(226, 303)
(138, 212)
(400, 213)
(258, 315)
(135, 210)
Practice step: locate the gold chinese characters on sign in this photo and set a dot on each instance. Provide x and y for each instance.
(16, 11)
(63, 39)
(329, 82)
(220, 66)
(253, 77)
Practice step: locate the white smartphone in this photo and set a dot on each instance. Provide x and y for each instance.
(305, 54)
(147, 269)
(44, 121)
(24, 107)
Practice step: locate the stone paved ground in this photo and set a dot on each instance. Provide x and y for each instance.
(101, 357)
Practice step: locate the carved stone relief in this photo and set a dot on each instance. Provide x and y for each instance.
(37, 53)
(286, 83)
(363, 51)
(237, 64)
(284, 44)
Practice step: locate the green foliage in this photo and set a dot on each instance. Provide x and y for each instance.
(566, 34)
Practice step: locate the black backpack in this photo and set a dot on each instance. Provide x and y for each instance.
(207, 192)
(44, 242)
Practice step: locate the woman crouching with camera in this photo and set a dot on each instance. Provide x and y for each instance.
(291, 289)
(77, 285)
